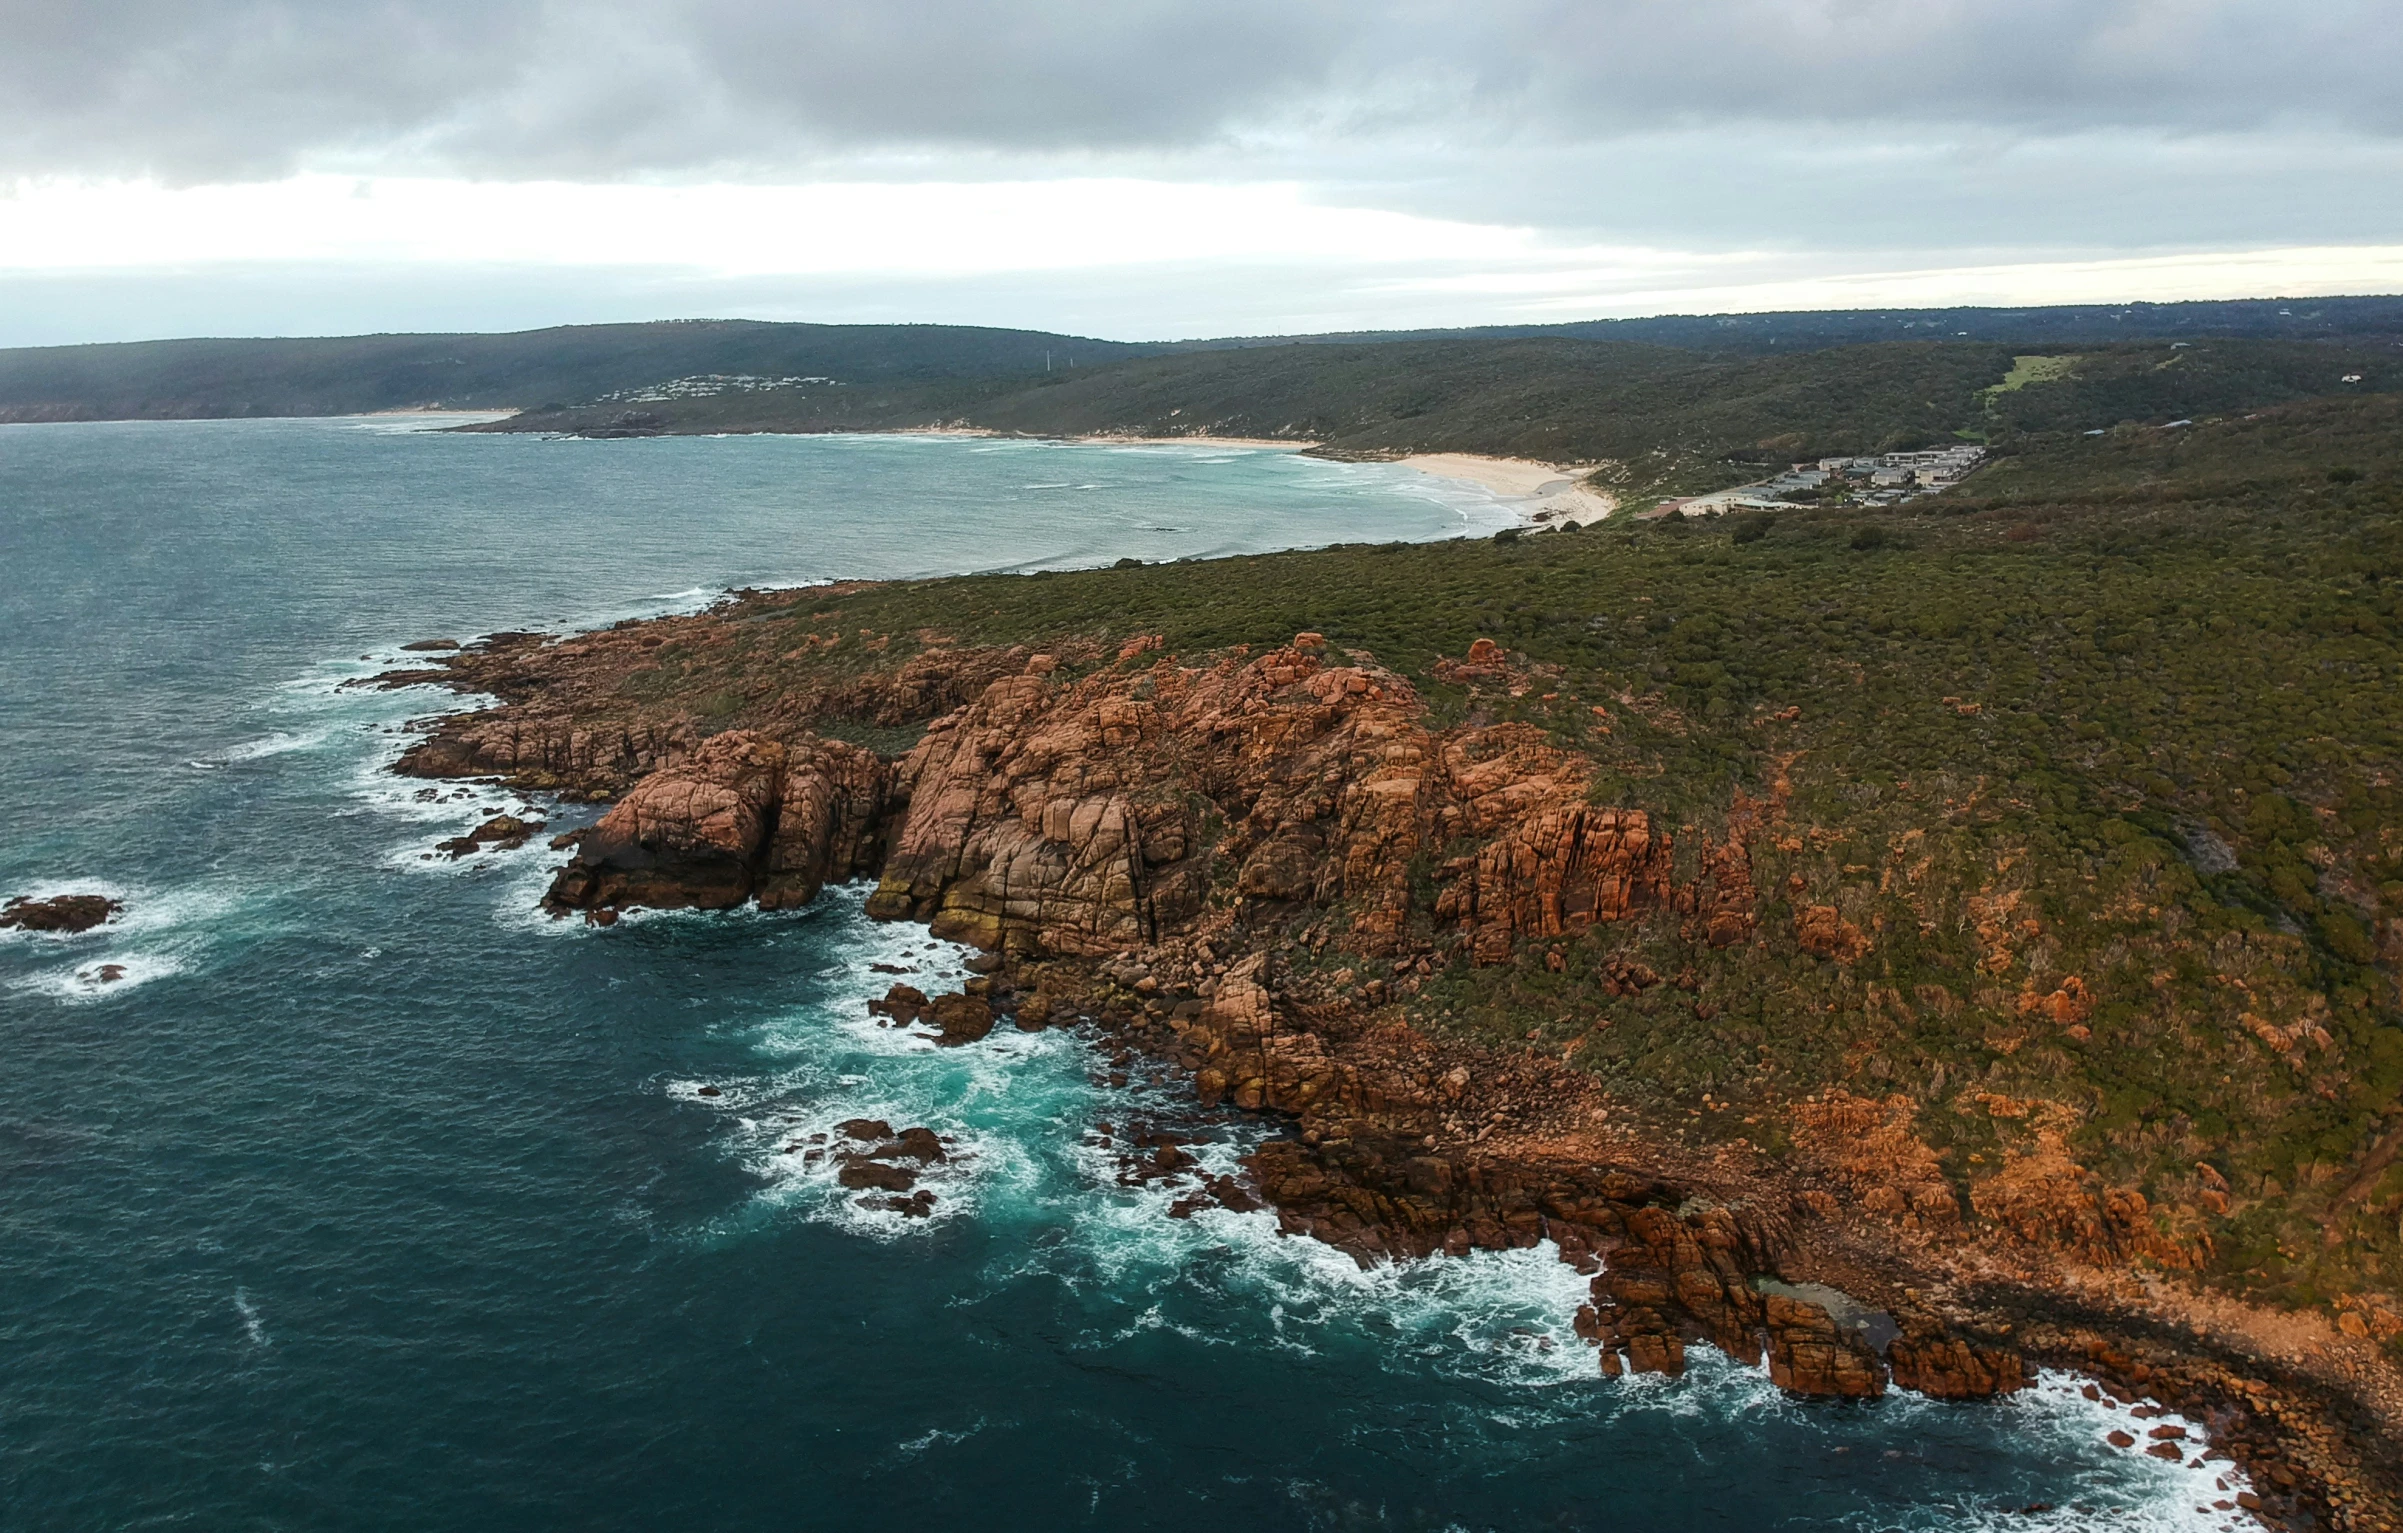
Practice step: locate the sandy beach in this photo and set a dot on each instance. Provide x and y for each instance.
(1544, 492)
(1294, 444)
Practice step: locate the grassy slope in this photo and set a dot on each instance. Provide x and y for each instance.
(2024, 722)
(1659, 419)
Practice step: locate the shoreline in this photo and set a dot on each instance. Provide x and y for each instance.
(1541, 493)
(1105, 439)
(1538, 494)
(1085, 439)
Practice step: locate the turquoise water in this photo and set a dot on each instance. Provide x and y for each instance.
(370, 1199)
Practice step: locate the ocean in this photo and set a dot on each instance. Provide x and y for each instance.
(367, 1197)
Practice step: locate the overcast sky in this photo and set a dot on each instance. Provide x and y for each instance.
(1136, 168)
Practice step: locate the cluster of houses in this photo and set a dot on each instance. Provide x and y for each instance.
(705, 386)
(1882, 479)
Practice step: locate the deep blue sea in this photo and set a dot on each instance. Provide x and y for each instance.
(368, 1198)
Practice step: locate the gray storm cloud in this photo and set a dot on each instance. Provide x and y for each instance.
(223, 89)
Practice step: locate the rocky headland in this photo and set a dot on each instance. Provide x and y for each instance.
(1279, 872)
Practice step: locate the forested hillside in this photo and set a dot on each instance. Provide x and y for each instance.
(1646, 420)
(168, 380)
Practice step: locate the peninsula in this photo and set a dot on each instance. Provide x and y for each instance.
(1904, 944)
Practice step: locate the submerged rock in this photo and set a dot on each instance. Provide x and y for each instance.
(501, 833)
(875, 1169)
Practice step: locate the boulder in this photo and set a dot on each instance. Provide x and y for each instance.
(881, 1175)
(903, 1003)
(501, 833)
(918, 1144)
(959, 1019)
(1810, 1354)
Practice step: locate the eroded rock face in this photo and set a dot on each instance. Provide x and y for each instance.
(1812, 1355)
(59, 913)
(1557, 872)
(1672, 1279)
(1081, 815)
(1926, 1360)
(1086, 817)
(742, 817)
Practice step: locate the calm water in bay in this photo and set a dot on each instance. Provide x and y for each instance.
(367, 1198)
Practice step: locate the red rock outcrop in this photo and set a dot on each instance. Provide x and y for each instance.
(743, 817)
(1870, 1150)
(1669, 1279)
(1824, 933)
(2069, 1004)
(1078, 815)
(1722, 902)
(2047, 1199)
(1555, 873)
(1082, 813)
(1812, 1355)
(1928, 1361)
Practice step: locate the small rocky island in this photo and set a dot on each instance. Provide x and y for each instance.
(63, 913)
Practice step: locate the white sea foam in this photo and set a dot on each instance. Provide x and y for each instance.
(829, 1061)
(149, 912)
(277, 744)
(2150, 1493)
(99, 979)
(1016, 1110)
(251, 1324)
(937, 1438)
(416, 422)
